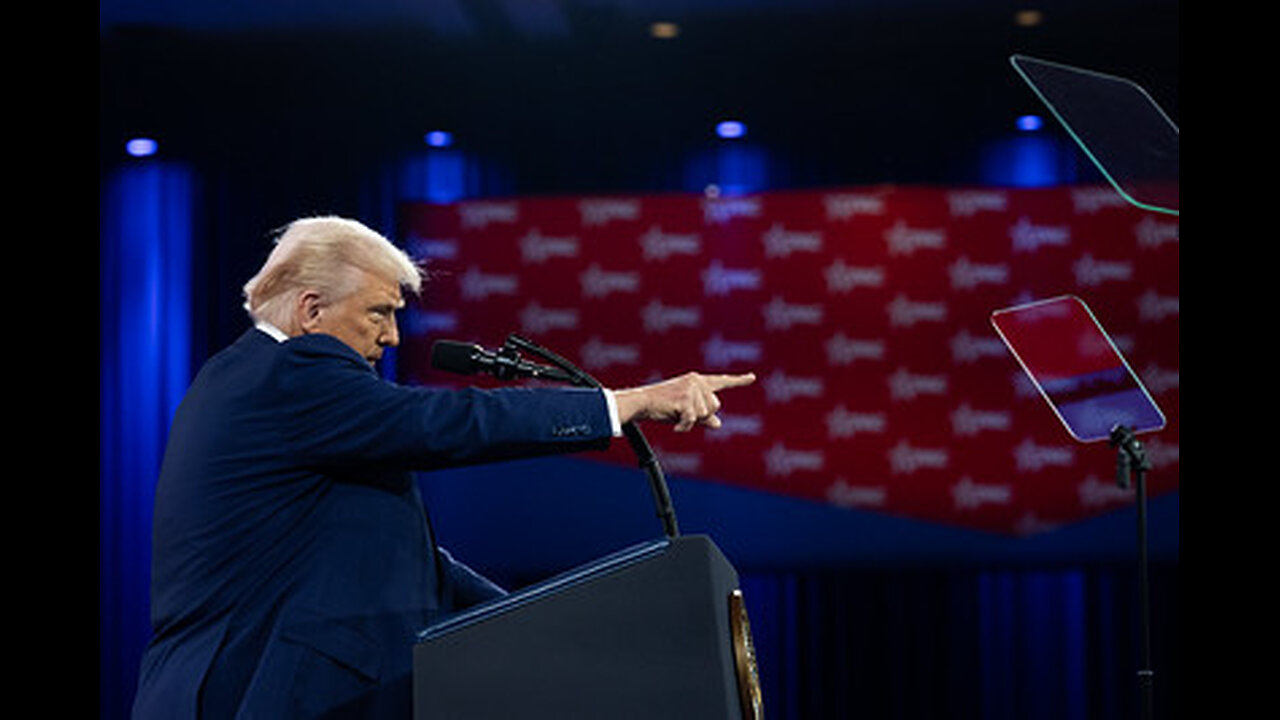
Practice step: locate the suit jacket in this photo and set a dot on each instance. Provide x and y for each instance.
(293, 562)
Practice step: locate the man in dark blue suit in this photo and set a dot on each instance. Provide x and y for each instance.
(293, 562)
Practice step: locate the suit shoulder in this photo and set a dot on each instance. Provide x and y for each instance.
(321, 347)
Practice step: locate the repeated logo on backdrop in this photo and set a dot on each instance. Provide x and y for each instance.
(863, 311)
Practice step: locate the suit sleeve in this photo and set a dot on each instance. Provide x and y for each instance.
(469, 587)
(341, 413)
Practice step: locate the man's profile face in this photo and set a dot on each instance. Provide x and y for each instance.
(365, 319)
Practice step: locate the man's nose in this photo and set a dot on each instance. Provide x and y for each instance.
(391, 335)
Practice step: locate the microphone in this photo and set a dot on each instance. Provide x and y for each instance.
(468, 359)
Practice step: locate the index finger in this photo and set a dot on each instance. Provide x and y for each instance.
(719, 382)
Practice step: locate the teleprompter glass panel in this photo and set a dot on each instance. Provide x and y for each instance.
(1122, 130)
(1076, 368)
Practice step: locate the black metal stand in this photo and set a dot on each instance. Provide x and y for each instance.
(644, 453)
(1130, 456)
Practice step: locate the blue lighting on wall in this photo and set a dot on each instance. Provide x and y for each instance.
(728, 170)
(438, 176)
(1028, 160)
(144, 368)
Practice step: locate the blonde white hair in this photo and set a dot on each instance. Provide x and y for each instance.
(325, 255)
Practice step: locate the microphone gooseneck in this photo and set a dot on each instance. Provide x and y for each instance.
(468, 359)
(647, 459)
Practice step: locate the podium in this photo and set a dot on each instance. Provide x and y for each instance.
(655, 631)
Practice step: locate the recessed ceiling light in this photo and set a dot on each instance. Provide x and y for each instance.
(1028, 18)
(664, 30)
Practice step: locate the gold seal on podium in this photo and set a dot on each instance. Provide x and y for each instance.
(744, 654)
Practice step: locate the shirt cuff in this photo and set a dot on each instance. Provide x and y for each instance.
(614, 423)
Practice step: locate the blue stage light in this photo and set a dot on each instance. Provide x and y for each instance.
(730, 129)
(1030, 123)
(141, 147)
(439, 138)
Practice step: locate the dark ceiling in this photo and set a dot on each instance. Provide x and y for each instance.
(577, 96)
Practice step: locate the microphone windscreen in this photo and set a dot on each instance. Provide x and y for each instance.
(455, 357)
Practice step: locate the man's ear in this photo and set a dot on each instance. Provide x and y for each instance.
(308, 310)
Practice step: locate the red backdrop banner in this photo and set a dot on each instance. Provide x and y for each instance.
(864, 312)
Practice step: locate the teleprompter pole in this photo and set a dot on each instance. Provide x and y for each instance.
(1131, 456)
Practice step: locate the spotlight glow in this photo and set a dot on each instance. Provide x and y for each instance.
(731, 129)
(439, 138)
(141, 147)
(1030, 123)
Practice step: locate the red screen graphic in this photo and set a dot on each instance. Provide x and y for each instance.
(864, 312)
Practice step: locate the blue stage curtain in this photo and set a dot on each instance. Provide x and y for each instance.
(988, 644)
(144, 364)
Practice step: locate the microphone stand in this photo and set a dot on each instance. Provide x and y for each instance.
(1130, 455)
(639, 445)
